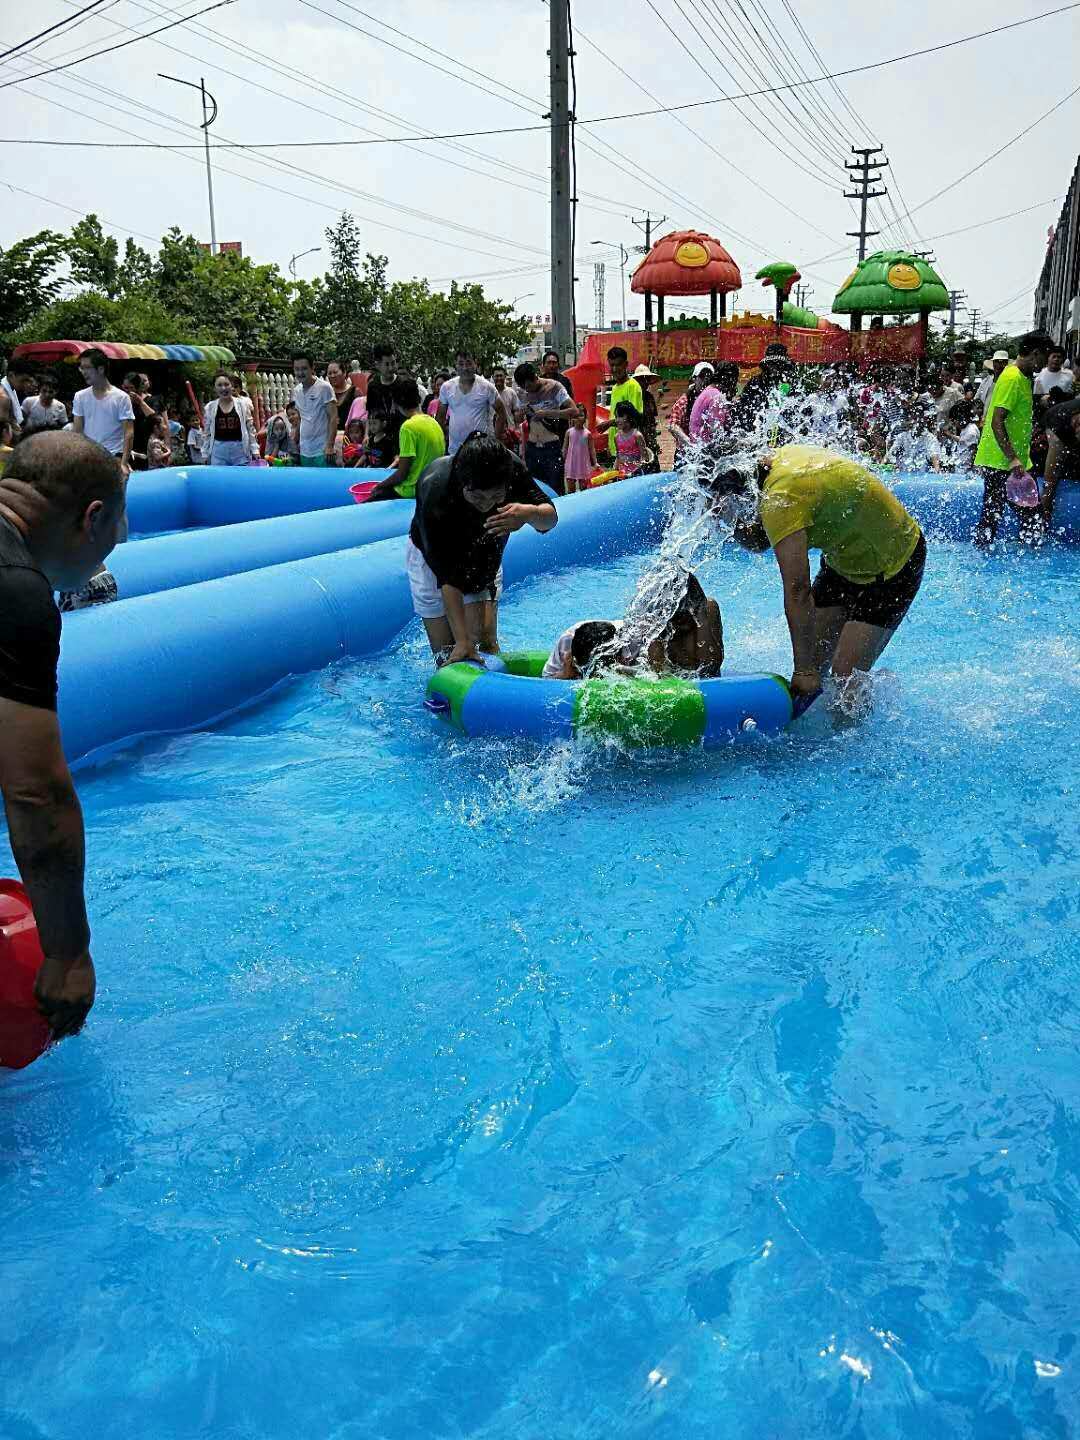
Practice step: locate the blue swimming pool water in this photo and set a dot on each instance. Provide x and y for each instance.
(443, 1088)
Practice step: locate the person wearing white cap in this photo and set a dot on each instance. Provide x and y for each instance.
(994, 367)
(679, 419)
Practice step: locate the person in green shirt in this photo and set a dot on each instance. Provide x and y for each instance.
(623, 387)
(1004, 454)
(420, 441)
(872, 559)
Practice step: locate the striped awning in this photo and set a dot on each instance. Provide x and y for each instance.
(49, 351)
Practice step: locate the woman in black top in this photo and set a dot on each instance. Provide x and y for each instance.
(1063, 451)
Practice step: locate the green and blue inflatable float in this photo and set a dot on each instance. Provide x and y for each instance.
(510, 699)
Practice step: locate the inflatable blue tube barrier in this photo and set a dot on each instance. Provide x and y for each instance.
(509, 699)
(947, 507)
(185, 497)
(185, 657)
(187, 558)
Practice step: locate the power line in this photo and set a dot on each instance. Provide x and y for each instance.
(683, 105)
(69, 22)
(145, 35)
(83, 214)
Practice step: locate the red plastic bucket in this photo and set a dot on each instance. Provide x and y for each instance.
(363, 490)
(24, 1033)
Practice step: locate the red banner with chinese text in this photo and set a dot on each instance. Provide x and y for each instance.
(745, 344)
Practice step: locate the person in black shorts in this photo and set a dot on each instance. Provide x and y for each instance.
(61, 509)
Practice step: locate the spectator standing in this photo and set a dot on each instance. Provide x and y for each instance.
(650, 416)
(711, 410)
(468, 404)
(547, 410)
(317, 409)
(431, 404)
(1004, 453)
(420, 441)
(623, 387)
(994, 366)
(551, 369)
(61, 511)
(159, 445)
(138, 390)
(230, 436)
(383, 419)
(507, 394)
(44, 411)
(1063, 452)
(10, 401)
(344, 391)
(103, 413)
(1052, 375)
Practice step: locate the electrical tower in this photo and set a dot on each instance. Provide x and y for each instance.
(598, 285)
(973, 321)
(860, 170)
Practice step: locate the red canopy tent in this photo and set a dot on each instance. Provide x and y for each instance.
(686, 262)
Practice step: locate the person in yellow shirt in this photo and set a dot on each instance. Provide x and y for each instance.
(872, 557)
(623, 387)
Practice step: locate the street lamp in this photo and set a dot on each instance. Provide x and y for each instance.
(527, 296)
(624, 255)
(292, 263)
(208, 120)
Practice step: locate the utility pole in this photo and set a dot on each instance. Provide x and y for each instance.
(646, 225)
(563, 329)
(860, 170)
(927, 255)
(973, 321)
(955, 297)
(207, 120)
(599, 283)
(802, 294)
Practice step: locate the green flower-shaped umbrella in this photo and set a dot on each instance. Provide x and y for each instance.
(891, 282)
(781, 274)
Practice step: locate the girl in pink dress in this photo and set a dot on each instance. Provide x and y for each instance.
(579, 455)
(631, 452)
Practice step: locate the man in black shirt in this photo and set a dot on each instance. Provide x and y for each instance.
(467, 506)
(61, 508)
(551, 370)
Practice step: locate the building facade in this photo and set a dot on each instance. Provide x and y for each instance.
(1057, 297)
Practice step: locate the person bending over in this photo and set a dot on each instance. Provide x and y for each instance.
(467, 507)
(61, 510)
(872, 557)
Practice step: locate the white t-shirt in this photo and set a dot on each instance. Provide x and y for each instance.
(36, 416)
(314, 421)
(967, 442)
(16, 408)
(103, 416)
(1047, 379)
(468, 410)
(509, 398)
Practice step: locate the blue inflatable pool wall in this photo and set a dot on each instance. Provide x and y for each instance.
(196, 495)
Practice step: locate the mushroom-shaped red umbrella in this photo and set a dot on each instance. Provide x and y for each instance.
(686, 262)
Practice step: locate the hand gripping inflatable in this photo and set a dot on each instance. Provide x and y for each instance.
(24, 1033)
(515, 701)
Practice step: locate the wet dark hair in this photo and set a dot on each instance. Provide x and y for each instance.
(548, 354)
(726, 378)
(624, 407)
(384, 347)
(300, 355)
(1034, 340)
(133, 377)
(69, 470)
(97, 358)
(588, 638)
(729, 482)
(776, 351)
(525, 374)
(48, 377)
(406, 392)
(483, 463)
(617, 353)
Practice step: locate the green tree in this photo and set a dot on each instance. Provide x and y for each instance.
(226, 299)
(94, 316)
(94, 257)
(28, 278)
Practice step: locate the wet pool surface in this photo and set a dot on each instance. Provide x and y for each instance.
(452, 1088)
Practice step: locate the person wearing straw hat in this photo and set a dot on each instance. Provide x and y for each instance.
(650, 424)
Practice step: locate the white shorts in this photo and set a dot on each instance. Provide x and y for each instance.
(426, 594)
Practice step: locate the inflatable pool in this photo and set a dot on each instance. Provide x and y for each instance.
(191, 556)
(190, 496)
(947, 507)
(184, 657)
(513, 701)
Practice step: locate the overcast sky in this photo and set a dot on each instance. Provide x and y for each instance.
(937, 117)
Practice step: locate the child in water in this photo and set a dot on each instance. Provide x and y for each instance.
(579, 454)
(631, 452)
(691, 643)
